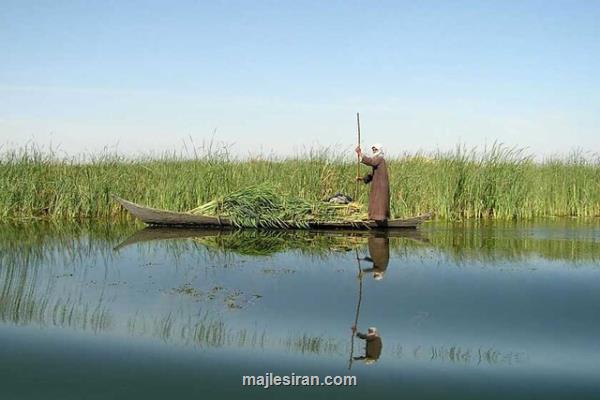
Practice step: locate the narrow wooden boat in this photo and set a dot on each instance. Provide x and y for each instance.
(157, 217)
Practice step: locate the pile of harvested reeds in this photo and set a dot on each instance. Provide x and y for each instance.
(262, 206)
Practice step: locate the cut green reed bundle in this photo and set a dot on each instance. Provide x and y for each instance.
(262, 206)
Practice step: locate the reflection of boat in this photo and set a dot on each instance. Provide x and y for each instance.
(156, 217)
(164, 233)
(150, 234)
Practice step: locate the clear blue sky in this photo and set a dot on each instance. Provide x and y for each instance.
(280, 75)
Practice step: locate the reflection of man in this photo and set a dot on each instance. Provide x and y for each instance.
(373, 345)
(379, 255)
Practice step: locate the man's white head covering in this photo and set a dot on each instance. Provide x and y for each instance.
(379, 151)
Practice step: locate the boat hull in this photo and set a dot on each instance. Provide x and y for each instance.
(165, 218)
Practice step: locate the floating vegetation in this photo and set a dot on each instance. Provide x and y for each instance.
(231, 298)
(188, 290)
(273, 271)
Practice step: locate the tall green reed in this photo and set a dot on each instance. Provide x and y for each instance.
(499, 182)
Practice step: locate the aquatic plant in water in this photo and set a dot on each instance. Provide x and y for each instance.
(499, 182)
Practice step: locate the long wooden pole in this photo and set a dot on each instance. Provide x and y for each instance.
(357, 157)
(357, 311)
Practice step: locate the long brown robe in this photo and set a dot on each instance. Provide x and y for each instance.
(379, 198)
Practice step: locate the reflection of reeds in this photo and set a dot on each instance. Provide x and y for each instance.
(312, 344)
(31, 294)
(38, 244)
(462, 355)
(22, 303)
(208, 330)
(514, 242)
(30, 297)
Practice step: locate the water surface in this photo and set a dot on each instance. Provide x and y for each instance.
(463, 311)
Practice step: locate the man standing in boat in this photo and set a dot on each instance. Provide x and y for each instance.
(379, 197)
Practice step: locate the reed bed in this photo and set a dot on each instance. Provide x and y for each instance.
(499, 183)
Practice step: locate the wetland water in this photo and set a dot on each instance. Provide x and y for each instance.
(494, 311)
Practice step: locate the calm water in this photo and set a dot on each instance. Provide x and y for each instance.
(108, 312)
